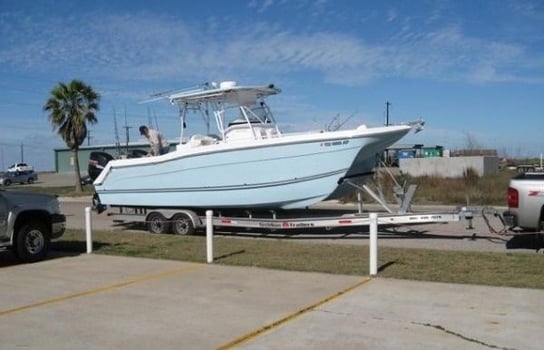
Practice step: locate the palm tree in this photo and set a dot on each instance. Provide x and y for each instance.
(71, 106)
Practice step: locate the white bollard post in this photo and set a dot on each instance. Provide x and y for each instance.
(209, 236)
(373, 246)
(88, 230)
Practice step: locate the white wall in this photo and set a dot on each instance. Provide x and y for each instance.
(449, 167)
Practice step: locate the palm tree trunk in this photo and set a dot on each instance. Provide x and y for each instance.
(77, 171)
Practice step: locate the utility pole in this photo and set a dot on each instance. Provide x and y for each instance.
(387, 104)
(117, 143)
(88, 137)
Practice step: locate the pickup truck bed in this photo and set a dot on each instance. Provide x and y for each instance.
(526, 202)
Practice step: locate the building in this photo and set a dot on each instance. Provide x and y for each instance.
(420, 160)
(449, 166)
(396, 152)
(64, 161)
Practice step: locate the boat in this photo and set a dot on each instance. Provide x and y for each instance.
(249, 162)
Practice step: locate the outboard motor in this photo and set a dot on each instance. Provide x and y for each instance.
(97, 162)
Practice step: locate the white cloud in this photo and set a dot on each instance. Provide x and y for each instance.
(391, 15)
(117, 47)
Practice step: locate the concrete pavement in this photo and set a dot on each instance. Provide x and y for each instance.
(106, 302)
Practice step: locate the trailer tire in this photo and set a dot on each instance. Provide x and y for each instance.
(157, 223)
(181, 224)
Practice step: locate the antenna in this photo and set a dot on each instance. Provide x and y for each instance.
(127, 136)
(332, 125)
(336, 124)
(156, 122)
(149, 119)
(387, 104)
(117, 144)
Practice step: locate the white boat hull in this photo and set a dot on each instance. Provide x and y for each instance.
(288, 172)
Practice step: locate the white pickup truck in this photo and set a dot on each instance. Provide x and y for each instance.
(526, 202)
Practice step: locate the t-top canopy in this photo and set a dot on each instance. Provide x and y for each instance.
(226, 92)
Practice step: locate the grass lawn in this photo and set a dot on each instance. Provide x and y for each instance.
(496, 269)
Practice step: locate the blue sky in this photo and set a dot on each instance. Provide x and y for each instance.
(474, 70)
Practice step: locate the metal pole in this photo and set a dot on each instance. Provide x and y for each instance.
(360, 201)
(209, 236)
(373, 247)
(88, 230)
(387, 104)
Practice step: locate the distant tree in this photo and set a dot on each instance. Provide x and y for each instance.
(471, 143)
(71, 106)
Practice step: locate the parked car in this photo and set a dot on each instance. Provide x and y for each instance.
(20, 167)
(21, 177)
(28, 222)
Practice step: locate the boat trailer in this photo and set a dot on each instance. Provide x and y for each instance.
(189, 220)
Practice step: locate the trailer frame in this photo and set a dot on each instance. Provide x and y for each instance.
(188, 220)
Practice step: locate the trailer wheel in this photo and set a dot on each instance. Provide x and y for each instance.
(182, 224)
(157, 223)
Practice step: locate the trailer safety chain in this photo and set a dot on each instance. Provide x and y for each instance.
(486, 211)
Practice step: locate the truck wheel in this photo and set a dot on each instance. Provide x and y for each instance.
(157, 223)
(7, 182)
(32, 242)
(30, 181)
(182, 224)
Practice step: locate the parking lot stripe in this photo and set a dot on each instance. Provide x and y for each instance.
(253, 334)
(143, 279)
